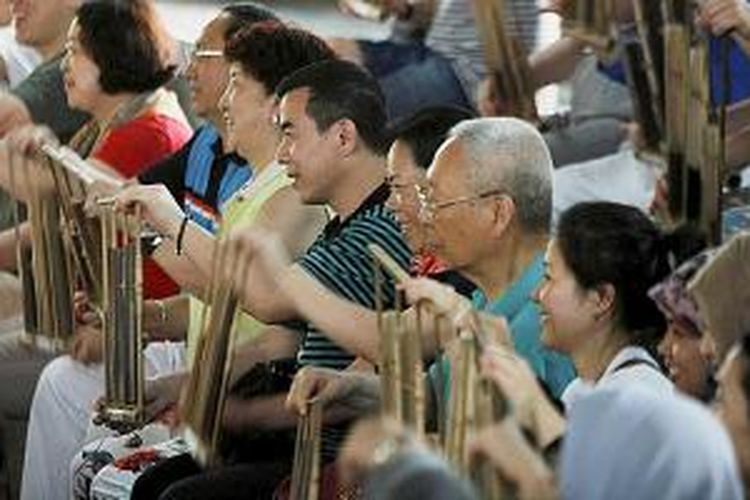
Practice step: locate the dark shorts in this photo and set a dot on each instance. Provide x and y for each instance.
(413, 77)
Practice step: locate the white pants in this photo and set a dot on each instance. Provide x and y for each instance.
(60, 414)
(620, 177)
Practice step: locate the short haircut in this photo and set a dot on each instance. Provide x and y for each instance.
(270, 51)
(510, 155)
(342, 90)
(240, 15)
(426, 130)
(127, 42)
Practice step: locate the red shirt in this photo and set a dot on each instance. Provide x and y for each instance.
(132, 148)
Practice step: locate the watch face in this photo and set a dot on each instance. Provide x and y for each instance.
(150, 242)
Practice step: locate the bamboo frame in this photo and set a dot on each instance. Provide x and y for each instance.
(203, 407)
(506, 60)
(122, 300)
(592, 24)
(305, 484)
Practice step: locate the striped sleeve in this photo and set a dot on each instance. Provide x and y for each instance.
(343, 264)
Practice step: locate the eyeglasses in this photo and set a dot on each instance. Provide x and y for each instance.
(399, 189)
(197, 53)
(428, 208)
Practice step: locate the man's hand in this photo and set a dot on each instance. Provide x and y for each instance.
(253, 245)
(158, 207)
(723, 16)
(368, 439)
(88, 345)
(505, 447)
(13, 113)
(163, 393)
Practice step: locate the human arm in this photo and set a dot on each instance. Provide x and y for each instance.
(530, 405)
(518, 462)
(553, 64)
(343, 394)
(723, 17)
(167, 319)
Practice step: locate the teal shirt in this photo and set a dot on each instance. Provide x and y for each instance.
(522, 315)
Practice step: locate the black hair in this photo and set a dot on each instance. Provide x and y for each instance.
(240, 15)
(427, 129)
(610, 243)
(342, 90)
(127, 42)
(270, 51)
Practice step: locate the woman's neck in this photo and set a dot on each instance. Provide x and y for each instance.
(593, 358)
(263, 149)
(108, 105)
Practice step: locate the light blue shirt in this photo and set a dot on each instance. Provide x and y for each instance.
(522, 314)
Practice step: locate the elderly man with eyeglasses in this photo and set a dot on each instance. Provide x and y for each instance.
(487, 208)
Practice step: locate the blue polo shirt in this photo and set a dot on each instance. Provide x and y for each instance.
(522, 314)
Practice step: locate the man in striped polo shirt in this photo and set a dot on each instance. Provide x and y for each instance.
(332, 120)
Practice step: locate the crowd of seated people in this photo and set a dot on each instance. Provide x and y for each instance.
(272, 162)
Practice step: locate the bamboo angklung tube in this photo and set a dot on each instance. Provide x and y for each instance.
(491, 407)
(305, 484)
(644, 57)
(204, 404)
(704, 153)
(592, 24)
(506, 60)
(401, 365)
(461, 406)
(677, 63)
(46, 270)
(71, 175)
(122, 298)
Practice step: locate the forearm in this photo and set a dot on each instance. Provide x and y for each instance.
(737, 149)
(20, 177)
(167, 319)
(262, 297)
(738, 116)
(181, 269)
(275, 342)
(548, 424)
(8, 242)
(349, 325)
(556, 62)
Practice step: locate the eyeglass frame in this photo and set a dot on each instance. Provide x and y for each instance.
(430, 207)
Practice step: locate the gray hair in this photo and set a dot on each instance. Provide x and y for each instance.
(510, 155)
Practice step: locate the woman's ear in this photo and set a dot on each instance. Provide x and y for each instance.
(604, 300)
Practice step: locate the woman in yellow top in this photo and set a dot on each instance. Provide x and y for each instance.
(267, 199)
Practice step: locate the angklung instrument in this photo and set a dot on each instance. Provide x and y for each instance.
(203, 405)
(506, 60)
(122, 300)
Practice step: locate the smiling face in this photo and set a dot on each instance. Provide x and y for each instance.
(208, 73)
(567, 310)
(404, 175)
(309, 155)
(248, 112)
(688, 368)
(80, 73)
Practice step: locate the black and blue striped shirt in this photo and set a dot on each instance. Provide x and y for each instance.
(340, 260)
